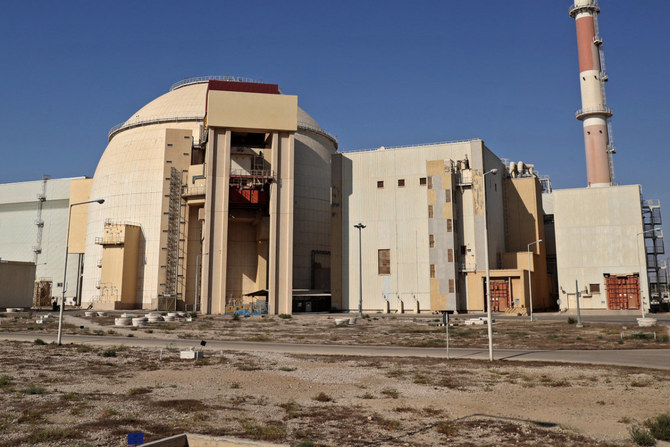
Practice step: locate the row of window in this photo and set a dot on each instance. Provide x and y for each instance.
(401, 182)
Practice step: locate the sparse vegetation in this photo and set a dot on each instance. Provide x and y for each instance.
(659, 426)
(390, 392)
(285, 316)
(39, 341)
(139, 390)
(447, 428)
(322, 397)
(571, 320)
(111, 352)
(641, 436)
(272, 431)
(34, 389)
(6, 382)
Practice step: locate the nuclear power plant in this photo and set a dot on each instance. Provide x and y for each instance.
(224, 194)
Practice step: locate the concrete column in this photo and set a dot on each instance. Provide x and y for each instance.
(216, 222)
(280, 297)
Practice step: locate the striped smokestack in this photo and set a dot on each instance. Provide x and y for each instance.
(594, 112)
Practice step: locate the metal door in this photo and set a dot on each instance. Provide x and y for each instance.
(500, 299)
(623, 292)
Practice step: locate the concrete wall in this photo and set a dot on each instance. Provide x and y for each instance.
(597, 232)
(16, 283)
(19, 206)
(80, 190)
(397, 219)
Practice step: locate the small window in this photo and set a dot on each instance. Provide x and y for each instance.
(430, 211)
(450, 227)
(401, 182)
(450, 255)
(451, 286)
(432, 270)
(422, 180)
(384, 261)
(447, 197)
(380, 184)
(431, 241)
(594, 288)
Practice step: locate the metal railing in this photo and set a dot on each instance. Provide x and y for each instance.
(470, 140)
(318, 131)
(109, 240)
(188, 191)
(601, 110)
(149, 121)
(201, 79)
(573, 10)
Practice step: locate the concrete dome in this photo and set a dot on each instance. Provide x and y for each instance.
(130, 177)
(186, 101)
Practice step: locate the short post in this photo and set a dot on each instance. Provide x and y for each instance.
(445, 320)
(579, 315)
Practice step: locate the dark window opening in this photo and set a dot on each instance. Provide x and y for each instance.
(384, 261)
(422, 180)
(401, 182)
(380, 184)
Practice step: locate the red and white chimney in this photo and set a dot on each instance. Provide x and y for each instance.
(594, 112)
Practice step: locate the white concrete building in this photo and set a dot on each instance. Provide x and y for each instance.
(600, 244)
(33, 225)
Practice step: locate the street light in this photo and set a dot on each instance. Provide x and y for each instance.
(67, 238)
(637, 240)
(530, 283)
(360, 226)
(488, 272)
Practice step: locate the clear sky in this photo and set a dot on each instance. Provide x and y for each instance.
(371, 72)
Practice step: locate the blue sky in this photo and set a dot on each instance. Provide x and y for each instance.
(372, 72)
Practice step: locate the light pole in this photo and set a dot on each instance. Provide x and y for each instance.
(62, 300)
(488, 271)
(360, 226)
(530, 283)
(637, 240)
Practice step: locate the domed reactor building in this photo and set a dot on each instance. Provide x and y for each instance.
(217, 194)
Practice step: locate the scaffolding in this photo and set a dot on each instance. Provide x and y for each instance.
(654, 247)
(39, 222)
(171, 287)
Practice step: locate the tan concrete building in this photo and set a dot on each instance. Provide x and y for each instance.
(427, 210)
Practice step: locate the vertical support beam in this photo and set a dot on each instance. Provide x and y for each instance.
(215, 245)
(272, 237)
(280, 296)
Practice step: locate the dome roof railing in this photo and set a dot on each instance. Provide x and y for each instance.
(201, 79)
(148, 121)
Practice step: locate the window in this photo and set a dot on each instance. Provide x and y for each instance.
(447, 197)
(430, 211)
(380, 184)
(401, 182)
(430, 183)
(432, 270)
(450, 226)
(594, 288)
(384, 261)
(422, 180)
(450, 255)
(431, 241)
(451, 286)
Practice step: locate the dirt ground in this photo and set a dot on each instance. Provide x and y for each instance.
(81, 395)
(377, 329)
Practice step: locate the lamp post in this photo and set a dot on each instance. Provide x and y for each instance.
(530, 283)
(67, 238)
(488, 271)
(637, 240)
(360, 226)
